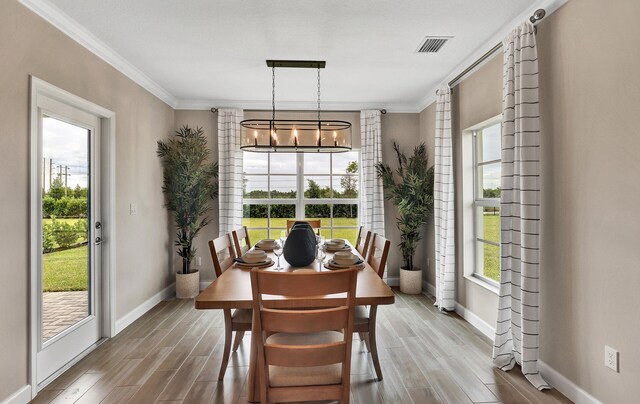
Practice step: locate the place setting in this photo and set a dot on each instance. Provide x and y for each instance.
(266, 245)
(336, 244)
(344, 260)
(254, 259)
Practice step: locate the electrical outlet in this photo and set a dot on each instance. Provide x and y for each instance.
(198, 261)
(611, 358)
(133, 209)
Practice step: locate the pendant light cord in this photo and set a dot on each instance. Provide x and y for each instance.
(318, 96)
(273, 93)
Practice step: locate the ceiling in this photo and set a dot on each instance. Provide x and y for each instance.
(212, 53)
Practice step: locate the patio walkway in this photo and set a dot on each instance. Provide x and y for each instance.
(60, 310)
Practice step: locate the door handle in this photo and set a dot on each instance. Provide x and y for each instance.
(99, 240)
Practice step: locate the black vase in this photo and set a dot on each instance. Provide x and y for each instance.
(300, 248)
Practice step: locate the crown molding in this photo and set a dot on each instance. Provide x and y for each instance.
(550, 6)
(202, 104)
(60, 20)
(75, 31)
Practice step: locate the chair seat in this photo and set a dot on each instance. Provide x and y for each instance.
(244, 316)
(361, 315)
(280, 376)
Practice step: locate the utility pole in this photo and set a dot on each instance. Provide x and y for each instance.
(50, 171)
(66, 176)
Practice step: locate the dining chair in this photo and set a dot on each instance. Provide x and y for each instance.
(362, 241)
(239, 236)
(315, 224)
(365, 321)
(223, 256)
(304, 354)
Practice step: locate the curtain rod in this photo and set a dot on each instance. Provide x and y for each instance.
(214, 110)
(537, 16)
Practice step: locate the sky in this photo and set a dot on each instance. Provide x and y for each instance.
(491, 151)
(66, 145)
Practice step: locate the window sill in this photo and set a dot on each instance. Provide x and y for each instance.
(481, 282)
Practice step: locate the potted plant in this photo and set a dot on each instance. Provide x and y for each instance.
(410, 188)
(190, 182)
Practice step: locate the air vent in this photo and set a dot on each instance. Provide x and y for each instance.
(433, 44)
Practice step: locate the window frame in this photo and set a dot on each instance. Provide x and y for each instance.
(300, 202)
(482, 202)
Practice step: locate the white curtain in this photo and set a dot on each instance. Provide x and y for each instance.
(517, 326)
(444, 209)
(372, 196)
(230, 169)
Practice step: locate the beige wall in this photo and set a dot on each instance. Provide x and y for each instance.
(590, 98)
(30, 46)
(209, 123)
(427, 135)
(474, 100)
(589, 272)
(405, 130)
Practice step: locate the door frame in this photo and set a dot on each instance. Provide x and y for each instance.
(107, 199)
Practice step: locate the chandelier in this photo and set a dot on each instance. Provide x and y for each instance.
(286, 135)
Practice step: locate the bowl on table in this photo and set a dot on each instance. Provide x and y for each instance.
(266, 244)
(336, 245)
(345, 258)
(254, 257)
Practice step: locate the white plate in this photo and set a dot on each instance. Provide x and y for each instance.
(336, 249)
(338, 265)
(335, 267)
(256, 264)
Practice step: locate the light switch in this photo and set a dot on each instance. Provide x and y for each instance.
(133, 209)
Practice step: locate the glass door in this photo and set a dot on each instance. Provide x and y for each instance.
(70, 229)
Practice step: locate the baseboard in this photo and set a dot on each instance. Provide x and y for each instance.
(571, 390)
(204, 284)
(393, 281)
(471, 318)
(136, 313)
(22, 396)
(428, 288)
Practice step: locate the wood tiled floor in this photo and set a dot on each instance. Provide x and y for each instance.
(172, 355)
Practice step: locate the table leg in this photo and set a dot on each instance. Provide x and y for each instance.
(253, 389)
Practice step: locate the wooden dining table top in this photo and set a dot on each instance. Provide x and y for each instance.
(232, 290)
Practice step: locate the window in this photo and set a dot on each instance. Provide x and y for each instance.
(486, 201)
(283, 186)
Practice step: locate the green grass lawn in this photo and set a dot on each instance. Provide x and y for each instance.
(279, 225)
(66, 270)
(71, 221)
(492, 253)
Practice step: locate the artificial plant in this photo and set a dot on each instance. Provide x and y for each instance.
(410, 188)
(190, 182)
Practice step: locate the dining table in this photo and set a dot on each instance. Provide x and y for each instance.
(232, 290)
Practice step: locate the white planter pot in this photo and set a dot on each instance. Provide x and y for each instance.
(411, 281)
(187, 285)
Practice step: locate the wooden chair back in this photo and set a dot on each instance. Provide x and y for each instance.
(315, 224)
(362, 241)
(241, 240)
(378, 253)
(297, 320)
(222, 253)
